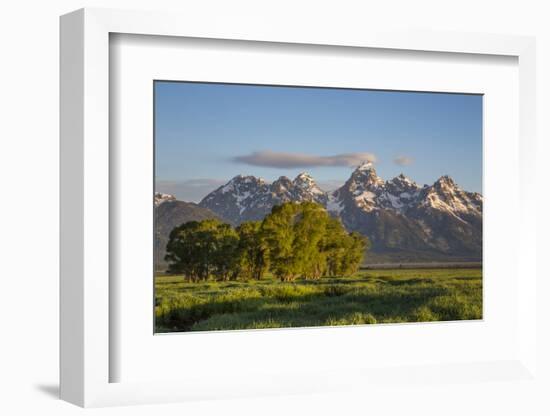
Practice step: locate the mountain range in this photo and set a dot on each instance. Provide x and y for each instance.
(404, 221)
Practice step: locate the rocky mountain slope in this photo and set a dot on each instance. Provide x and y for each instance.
(411, 221)
(402, 219)
(169, 213)
(247, 198)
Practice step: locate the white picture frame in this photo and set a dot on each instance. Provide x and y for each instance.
(86, 331)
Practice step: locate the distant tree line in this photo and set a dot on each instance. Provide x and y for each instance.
(294, 240)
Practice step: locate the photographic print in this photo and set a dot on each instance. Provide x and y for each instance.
(288, 206)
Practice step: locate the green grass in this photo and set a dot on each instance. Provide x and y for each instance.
(368, 297)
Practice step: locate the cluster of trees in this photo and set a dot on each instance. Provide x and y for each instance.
(295, 240)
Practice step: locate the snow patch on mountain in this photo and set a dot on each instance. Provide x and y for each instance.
(333, 205)
(306, 183)
(446, 195)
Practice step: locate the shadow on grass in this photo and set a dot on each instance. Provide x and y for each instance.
(339, 281)
(334, 303)
(412, 281)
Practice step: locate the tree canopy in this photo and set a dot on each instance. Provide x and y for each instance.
(294, 240)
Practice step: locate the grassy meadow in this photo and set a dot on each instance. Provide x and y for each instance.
(367, 297)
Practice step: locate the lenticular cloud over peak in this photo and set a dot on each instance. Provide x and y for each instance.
(284, 160)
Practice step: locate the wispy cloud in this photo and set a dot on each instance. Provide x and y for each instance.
(403, 160)
(191, 190)
(301, 160)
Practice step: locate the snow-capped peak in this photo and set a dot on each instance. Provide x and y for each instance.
(446, 186)
(446, 181)
(304, 179)
(305, 182)
(366, 165)
(282, 182)
(364, 176)
(446, 195)
(304, 176)
(251, 198)
(402, 178)
(246, 179)
(240, 182)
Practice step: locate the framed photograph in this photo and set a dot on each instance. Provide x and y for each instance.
(265, 211)
(245, 238)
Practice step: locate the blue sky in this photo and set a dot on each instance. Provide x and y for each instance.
(205, 134)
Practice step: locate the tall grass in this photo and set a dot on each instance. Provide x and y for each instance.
(368, 297)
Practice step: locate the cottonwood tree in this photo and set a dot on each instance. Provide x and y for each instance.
(203, 249)
(334, 245)
(280, 237)
(225, 254)
(252, 250)
(303, 240)
(294, 240)
(309, 229)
